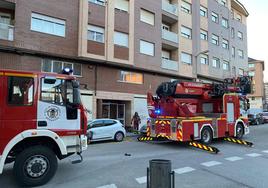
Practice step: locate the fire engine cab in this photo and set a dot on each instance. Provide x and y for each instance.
(192, 111)
(41, 119)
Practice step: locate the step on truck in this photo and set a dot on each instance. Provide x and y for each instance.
(192, 111)
(42, 120)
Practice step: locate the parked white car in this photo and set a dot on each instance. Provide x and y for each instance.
(105, 129)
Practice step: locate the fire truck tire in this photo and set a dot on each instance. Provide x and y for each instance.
(206, 135)
(239, 131)
(35, 166)
(119, 137)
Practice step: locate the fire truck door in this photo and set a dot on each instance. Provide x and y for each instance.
(53, 111)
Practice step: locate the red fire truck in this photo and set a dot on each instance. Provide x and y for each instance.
(191, 111)
(41, 119)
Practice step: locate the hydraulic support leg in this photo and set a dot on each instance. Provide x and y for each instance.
(238, 141)
(210, 149)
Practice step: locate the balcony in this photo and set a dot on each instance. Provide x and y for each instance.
(6, 32)
(170, 8)
(170, 36)
(170, 64)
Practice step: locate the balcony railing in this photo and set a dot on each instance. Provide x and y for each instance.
(6, 32)
(170, 65)
(171, 8)
(170, 36)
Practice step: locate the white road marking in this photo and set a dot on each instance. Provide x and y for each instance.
(232, 159)
(253, 154)
(211, 163)
(142, 180)
(108, 186)
(265, 151)
(184, 170)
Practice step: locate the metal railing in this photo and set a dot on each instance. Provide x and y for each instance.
(171, 8)
(6, 32)
(170, 36)
(170, 64)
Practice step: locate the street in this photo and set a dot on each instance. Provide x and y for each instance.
(105, 164)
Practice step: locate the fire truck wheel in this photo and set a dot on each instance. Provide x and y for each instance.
(119, 137)
(35, 166)
(239, 131)
(206, 135)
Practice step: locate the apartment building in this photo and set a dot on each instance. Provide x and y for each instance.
(256, 68)
(120, 49)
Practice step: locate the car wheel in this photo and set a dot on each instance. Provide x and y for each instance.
(206, 135)
(119, 137)
(239, 131)
(35, 166)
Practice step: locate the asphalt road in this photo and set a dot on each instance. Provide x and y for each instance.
(106, 166)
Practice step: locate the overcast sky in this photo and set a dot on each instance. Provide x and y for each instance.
(258, 30)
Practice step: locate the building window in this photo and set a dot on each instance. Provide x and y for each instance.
(238, 17)
(215, 17)
(251, 73)
(240, 35)
(224, 23)
(203, 11)
(121, 39)
(232, 32)
(204, 59)
(146, 48)
(241, 72)
(186, 58)
(147, 17)
(165, 55)
(186, 32)
(233, 51)
(122, 5)
(241, 54)
(99, 2)
(95, 33)
(57, 66)
(215, 39)
(131, 77)
(223, 2)
(203, 34)
(251, 65)
(46, 24)
(226, 65)
(186, 7)
(225, 44)
(216, 62)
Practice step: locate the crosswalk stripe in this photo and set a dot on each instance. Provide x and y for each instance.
(183, 170)
(108, 186)
(211, 163)
(265, 151)
(232, 159)
(142, 180)
(253, 154)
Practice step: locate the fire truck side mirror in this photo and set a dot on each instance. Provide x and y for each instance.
(50, 80)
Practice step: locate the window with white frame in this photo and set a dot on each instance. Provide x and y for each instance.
(251, 65)
(240, 35)
(215, 39)
(131, 77)
(186, 32)
(215, 17)
(238, 17)
(186, 7)
(226, 65)
(99, 2)
(147, 17)
(48, 25)
(203, 11)
(241, 54)
(251, 73)
(225, 44)
(186, 58)
(224, 23)
(216, 62)
(233, 51)
(241, 72)
(122, 5)
(166, 54)
(232, 32)
(203, 34)
(146, 48)
(95, 33)
(223, 2)
(204, 59)
(121, 39)
(56, 66)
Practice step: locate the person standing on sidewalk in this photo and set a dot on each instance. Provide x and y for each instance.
(136, 120)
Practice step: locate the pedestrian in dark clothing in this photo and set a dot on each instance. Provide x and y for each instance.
(136, 120)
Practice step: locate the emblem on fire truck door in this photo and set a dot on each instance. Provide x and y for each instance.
(52, 113)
